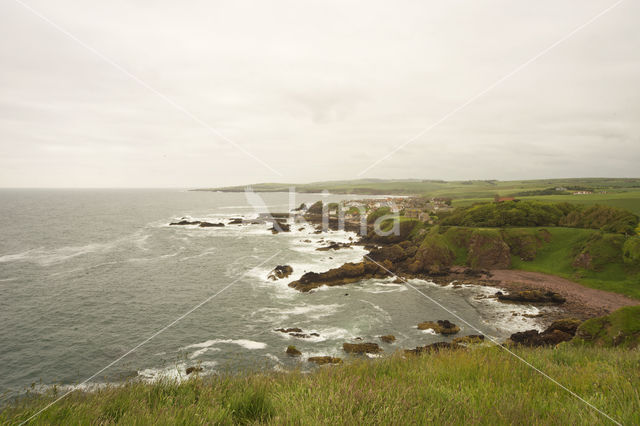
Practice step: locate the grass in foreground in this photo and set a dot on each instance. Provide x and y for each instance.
(482, 386)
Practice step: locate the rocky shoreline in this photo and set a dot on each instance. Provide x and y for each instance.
(407, 260)
(400, 256)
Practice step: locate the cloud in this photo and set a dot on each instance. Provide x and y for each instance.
(316, 90)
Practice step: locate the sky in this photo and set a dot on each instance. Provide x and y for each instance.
(212, 93)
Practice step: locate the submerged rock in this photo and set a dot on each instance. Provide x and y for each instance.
(388, 338)
(293, 351)
(440, 327)
(321, 360)
(236, 221)
(279, 272)
(361, 348)
(532, 296)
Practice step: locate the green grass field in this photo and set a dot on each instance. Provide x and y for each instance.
(629, 200)
(478, 386)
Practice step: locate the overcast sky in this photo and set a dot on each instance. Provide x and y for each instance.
(314, 91)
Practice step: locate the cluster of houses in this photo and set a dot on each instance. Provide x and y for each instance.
(414, 207)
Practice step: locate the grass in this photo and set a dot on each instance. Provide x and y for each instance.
(629, 200)
(620, 328)
(556, 257)
(481, 386)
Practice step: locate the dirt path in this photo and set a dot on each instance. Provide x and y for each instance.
(581, 300)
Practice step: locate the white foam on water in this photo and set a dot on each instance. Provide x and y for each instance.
(46, 257)
(310, 312)
(174, 373)
(273, 358)
(247, 344)
(429, 331)
(494, 314)
(202, 351)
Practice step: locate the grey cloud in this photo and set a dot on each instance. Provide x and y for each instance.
(316, 90)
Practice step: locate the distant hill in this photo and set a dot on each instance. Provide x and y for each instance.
(616, 192)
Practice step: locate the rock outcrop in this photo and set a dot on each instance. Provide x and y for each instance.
(388, 338)
(211, 225)
(185, 222)
(441, 327)
(334, 246)
(280, 272)
(559, 331)
(297, 332)
(293, 351)
(532, 296)
(200, 223)
(190, 370)
(345, 274)
(279, 226)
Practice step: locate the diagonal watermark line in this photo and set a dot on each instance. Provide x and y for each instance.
(147, 86)
(494, 341)
(492, 86)
(181, 317)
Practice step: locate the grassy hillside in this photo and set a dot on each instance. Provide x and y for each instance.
(590, 257)
(480, 386)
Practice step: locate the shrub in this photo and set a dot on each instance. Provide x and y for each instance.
(631, 251)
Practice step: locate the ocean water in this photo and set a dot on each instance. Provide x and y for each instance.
(87, 275)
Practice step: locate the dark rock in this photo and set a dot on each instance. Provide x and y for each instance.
(361, 348)
(190, 370)
(440, 327)
(236, 221)
(289, 330)
(280, 271)
(532, 296)
(388, 338)
(345, 274)
(210, 225)
(186, 222)
(293, 351)
(559, 331)
(321, 360)
(279, 226)
(334, 246)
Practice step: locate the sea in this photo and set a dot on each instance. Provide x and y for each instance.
(97, 288)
